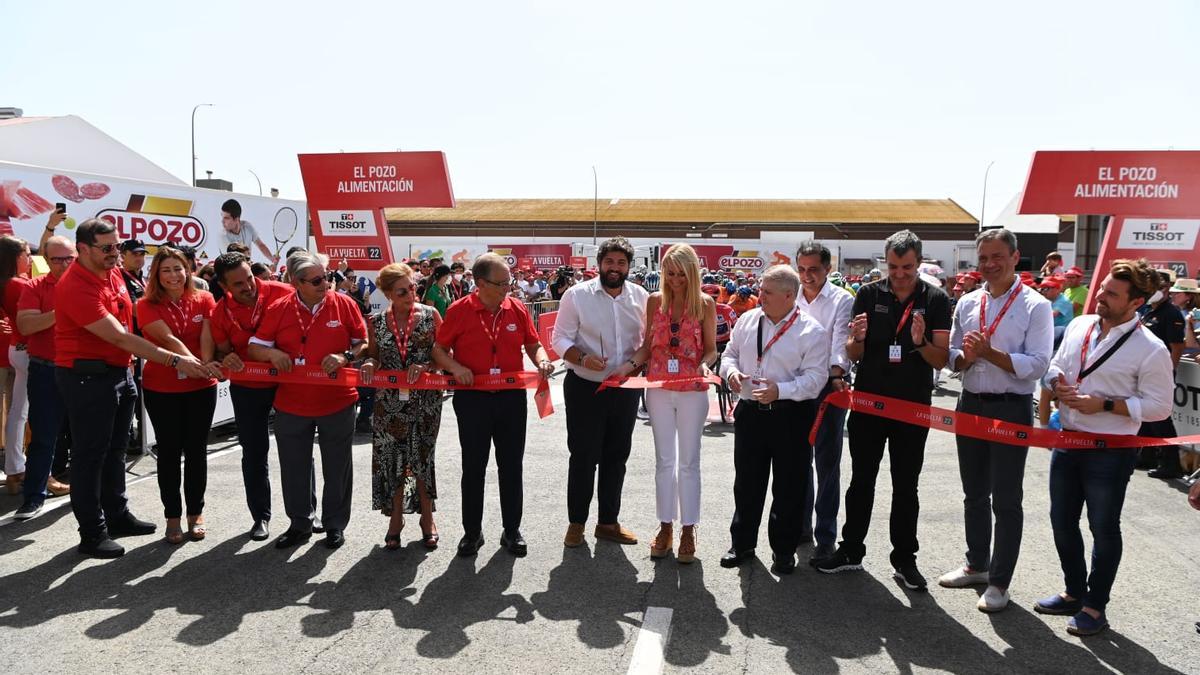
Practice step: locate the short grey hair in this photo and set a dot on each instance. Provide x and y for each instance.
(486, 264)
(902, 242)
(783, 275)
(998, 234)
(300, 261)
(58, 240)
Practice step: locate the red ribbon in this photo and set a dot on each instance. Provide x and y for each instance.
(983, 428)
(699, 382)
(398, 379)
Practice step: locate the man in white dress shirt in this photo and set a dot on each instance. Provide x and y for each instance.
(777, 362)
(601, 323)
(1110, 375)
(1001, 341)
(830, 305)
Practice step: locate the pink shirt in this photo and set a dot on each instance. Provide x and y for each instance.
(688, 352)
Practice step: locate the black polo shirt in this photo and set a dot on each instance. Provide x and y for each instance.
(1166, 323)
(912, 378)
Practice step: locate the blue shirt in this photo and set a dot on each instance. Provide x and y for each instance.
(1066, 311)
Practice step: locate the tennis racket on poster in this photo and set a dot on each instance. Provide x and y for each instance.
(284, 228)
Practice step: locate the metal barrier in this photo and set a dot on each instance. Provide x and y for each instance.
(536, 309)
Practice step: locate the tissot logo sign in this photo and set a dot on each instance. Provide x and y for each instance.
(348, 223)
(1151, 233)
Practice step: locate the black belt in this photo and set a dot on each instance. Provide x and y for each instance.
(41, 362)
(776, 405)
(1016, 398)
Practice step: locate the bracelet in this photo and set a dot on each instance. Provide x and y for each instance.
(173, 362)
(582, 357)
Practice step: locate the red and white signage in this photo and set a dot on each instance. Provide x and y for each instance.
(1165, 243)
(535, 256)
(729, 259)
(1164, 184)
(347, 193)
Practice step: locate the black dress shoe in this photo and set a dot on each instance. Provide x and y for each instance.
(334, 539)
(261, 530)
(821, 552)
(781, 565)
(129, 526)
(101, 548)
(470, 544)
(734, 557)
(514, 542)
(292, 538)
(1164, 473)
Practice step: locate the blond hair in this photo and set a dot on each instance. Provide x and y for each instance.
(683, 258)
(390, 274)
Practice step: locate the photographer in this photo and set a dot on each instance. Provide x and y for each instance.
(564, 279)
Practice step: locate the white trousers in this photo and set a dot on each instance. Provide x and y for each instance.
(18, 413)
(677, 418)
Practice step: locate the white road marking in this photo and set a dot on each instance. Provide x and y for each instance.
(651, 642)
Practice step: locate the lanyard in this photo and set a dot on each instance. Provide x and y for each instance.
(306, 327)
(402, 339)
(775, 338)
(1087, 340)
(493, 333)
(120, 303)
(177, 316)
(255, 315)
(996, 324)
(904, 317)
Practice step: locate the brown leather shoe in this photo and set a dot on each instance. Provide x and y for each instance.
(57, 488)
(615, 533)
(574, 535)
(687, 545)
(663, 541)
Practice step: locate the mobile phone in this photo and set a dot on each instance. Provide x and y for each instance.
(60, 207)
(1196, 314)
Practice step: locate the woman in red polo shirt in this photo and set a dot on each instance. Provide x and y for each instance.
(14, 278)
(314, 327)
(173, 315)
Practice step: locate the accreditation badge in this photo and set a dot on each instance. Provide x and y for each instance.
(494, 371)
(894, 354)
(299, 360)
(402, 394)
(673, 366)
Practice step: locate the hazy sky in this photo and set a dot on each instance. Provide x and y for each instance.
(667, 100)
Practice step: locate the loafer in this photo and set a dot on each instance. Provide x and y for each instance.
(783, 564)
(261, 530)
(1084, 624)
(734, 558)
(821, 552)
(1058, 605)
(470, 544)
(28, 510)
(1163, 473)
(514, 542)
(838, 562)
(129, 526)
(615, 533)
(334, 539)
(910, 577)
(994, 599)
(292, 538)
(101, 548)
(574, 535)
(962, 577)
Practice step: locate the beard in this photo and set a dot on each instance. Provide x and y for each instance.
(613, 279)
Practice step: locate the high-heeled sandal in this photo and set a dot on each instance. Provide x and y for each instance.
(430, 539)
(392, 541)
(196, 529)
(174, 533)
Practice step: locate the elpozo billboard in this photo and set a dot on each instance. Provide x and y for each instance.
(156, 213)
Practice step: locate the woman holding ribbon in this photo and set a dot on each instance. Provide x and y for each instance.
(406, 422)
(174, 316)
(680, 343)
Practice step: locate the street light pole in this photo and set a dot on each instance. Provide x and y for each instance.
(983, 206)
(257, 179)
(199, 105)
(595, 203)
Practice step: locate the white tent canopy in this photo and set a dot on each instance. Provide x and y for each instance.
(1009, 219)
(69, 143)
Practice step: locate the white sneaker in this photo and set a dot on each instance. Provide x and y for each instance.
(993, 600)
(962, 577)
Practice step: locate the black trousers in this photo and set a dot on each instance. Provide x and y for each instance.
(484, 419)
(99, 412)
(252, 411)
(906, 449)
(181, 423)
(766, 443)
(599, 434)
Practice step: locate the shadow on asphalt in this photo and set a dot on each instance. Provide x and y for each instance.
(598, 589)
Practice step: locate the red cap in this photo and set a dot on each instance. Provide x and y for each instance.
(1028, 282)
(1026, 274)
(1050, 282)
(977, 276)
(1074, 270)
(711, 289)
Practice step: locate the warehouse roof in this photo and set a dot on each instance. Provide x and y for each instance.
(758, 211)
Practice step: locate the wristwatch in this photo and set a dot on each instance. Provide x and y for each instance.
(349, 356)
(1108, 404)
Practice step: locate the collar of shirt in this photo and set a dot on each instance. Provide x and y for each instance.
(1025, 333)
(798, 362)
(831, 308)
(478, 306)
(597, 323)
(315, 308)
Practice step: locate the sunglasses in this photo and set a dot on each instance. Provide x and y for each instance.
(106, 248)
(62, 259)
(315, 281)
(498, 284)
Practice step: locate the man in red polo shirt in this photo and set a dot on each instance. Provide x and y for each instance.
(486, 332)
(313, 326)
(35, 320)
(234, 321)
(93, 343)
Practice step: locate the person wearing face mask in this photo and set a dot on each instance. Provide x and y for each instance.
(437, 294)
(458, 287)
(173, 314)
(1165, 320)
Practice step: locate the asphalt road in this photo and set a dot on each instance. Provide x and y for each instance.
(231, 605)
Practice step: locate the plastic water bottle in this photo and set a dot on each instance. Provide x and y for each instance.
(1055, 423)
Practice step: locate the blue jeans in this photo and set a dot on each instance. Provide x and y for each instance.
(1097, 479)
(99, 410)
(828, 455)
(47, 415)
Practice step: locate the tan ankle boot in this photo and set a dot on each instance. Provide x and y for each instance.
(687, 545)
(615, 533)
(574, 535)
(663, 541)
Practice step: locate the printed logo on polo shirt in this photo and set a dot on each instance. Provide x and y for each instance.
(512, 327)
(333, 324)
(198, 318)
(881, 309)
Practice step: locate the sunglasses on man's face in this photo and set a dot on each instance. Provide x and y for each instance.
(106, 248)
(315, 281)
(62, 259)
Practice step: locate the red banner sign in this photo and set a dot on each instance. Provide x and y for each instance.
(1168, 243)
(347, 193)
(535, 256)
(1163, 184)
